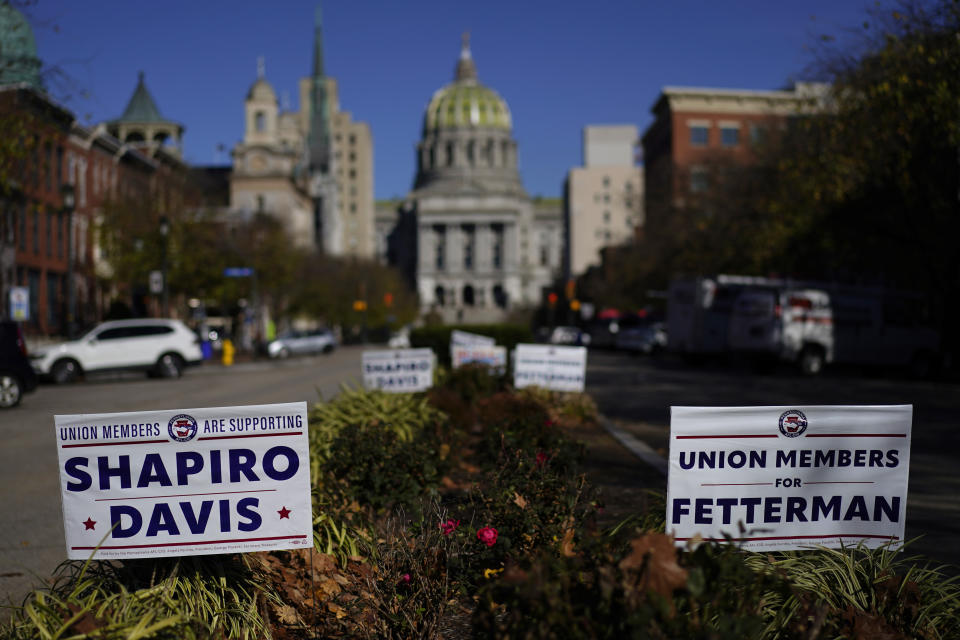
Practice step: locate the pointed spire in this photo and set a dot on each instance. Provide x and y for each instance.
(466, 69)
(318, 43)
(141, 107)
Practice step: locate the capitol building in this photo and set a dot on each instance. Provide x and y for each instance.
(468, 235)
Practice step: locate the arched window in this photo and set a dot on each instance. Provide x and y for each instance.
(134, 136)
(468, 295)
(505, 154)
(439, 295)
(472, 153)
(500, 296)
(449, 154)
(260, 121)
(161, 137)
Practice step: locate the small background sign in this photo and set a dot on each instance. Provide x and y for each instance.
(185, 481)
(490, 355)
(398, 370)
(781, 478)
(550, 367)
(465, 338)
(20, 304)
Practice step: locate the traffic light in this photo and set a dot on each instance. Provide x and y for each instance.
(388, 299)
(575, 305)
(552, 299)
(359, 305)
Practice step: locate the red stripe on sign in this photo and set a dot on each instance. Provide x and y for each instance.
(252, 435)
(843, 482)
(187, 544)
(856, 435)
(836, 535)
(184, 495)
(725, 436)
(105, 444)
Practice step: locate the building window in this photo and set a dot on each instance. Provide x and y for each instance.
(352, 173)
(353, 156)
(468, 295)
(36, 232)
(606, 197)
(260, 121)
(497, 255)
(698, 136)
(60, 218)
(261, 203)
(353, 139)
(439, 294)
(729, 136)
(544, 250)
(758, 134)
(59, 167)
(628, 203)
(468, 240)
(49, 154)
(699, 180)
(606, 217)
(53, 297)
(23, 227)
(49, 234)
(440, 255)
(353, 207)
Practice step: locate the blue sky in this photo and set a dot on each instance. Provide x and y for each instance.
(560, 64)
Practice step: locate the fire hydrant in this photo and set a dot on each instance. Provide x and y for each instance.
(228, 350)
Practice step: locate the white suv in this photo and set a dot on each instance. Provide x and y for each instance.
(158, 346)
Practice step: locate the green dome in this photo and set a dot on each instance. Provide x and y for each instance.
(466, 104)
(18, 49)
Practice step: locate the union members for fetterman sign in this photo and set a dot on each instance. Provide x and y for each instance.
(776, 478)
(185, 481)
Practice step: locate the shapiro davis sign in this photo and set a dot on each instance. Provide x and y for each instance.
(556, 368)
(398, 370)
(777, 478)
(185, 481)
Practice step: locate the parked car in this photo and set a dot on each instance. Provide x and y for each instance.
(16, 375)
(158, 346)
(299, 342)
(649, 338)
(569, 335)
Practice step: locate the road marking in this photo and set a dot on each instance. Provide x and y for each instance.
(637, 447)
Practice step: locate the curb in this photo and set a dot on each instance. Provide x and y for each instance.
(637, 447)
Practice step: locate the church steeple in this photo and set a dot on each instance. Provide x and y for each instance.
(319, 135)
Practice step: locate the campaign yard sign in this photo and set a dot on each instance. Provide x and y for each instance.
(780, 478)
(398, 370)
(465, 338)
(185, 481)
(550, 367)
(490, 355)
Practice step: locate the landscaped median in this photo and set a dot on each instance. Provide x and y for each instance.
(463, 512)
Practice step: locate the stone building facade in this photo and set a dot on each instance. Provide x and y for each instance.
(475, 235)
(312, 168)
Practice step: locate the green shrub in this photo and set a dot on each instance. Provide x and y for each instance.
(438, 337)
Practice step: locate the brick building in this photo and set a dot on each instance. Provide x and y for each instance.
(698, 132)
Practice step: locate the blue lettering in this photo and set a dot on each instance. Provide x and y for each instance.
(106, 472)
(269, 467)
(857, 509)
(162, 520)
(189, 463)
(74, 468)
(153, 471)
(245, 509)
(197, 523)
(681, 507)
(117, 512)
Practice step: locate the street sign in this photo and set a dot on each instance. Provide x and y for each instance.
(238, 272)
(20, 303)
(156, 282)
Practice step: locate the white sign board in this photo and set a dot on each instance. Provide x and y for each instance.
(156, 282)
(398, 370)
(780, 478)
(185, 481)
(19, 304)
(490, 355)
(466, 338)
(550, 367)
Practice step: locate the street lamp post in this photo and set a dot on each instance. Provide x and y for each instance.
(165, 296)
(67, 195)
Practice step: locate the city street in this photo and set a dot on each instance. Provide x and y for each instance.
(636, 393)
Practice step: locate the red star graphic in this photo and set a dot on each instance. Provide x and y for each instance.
(284, 513)
(89, 524)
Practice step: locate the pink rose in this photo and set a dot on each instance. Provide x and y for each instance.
(488, 536)
(449, 526)
(405, 578)
(542, 458)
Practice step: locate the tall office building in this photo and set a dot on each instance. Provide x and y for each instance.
(603, 199)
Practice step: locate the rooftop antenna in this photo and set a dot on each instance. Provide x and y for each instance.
(261, 67)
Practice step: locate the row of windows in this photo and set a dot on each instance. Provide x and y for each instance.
(27, 234)
(729, 135)
(471, 296)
